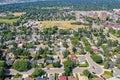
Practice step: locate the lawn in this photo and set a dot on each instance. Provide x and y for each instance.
(49, 66)
(84, 65)
(19, 13)
(9, 21)
(61, 24)
(107, 74)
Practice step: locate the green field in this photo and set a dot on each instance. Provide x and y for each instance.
(8, 21)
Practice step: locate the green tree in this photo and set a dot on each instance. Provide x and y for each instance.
(66, 53)
(37, 72)
(65, 45)
(68, 66)
(87, 73)
(20, 65)
(97, 58)
(74, 49)
(56, 64)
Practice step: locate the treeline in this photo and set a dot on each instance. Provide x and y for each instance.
(38, 10)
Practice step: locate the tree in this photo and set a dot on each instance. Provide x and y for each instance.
(1, 73)
(2, 64)
(66, 53)
(97, 58)
(68, 66)
(65, 45)
(87, 73)
(37, 72)
(74, 49)
(106, 65)
(20, 65)
(56, 64)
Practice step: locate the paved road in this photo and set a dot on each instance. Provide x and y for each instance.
(54, 70)
(93, 66)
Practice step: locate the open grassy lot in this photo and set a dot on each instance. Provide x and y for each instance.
(107, 74)
(17, 14)
(61, 24)
(8, 21)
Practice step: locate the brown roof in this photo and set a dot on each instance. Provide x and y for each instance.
(117, 56)
(97, 79)
(28, 78)
(73, 57)
(71, 78)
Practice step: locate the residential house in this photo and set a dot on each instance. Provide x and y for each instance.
(95, 49)
(39, 78)
(97, 79)
(10, 62)
(82, 59)
(18, 79)
(111, 64)
(113, 78)
(62, 78)
(49, 61)
(73, 57)
(51, 78)
(117, 56)
(40, 61)
(56, 60)
(28, 78)
(71, 78)
(62, 50)
(116, 72)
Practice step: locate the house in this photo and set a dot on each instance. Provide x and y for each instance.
(78, 49)
(73, 57)
(39, 78)
(49, 61)
(28, 78)
(117, 56)
(62, 78)
(82, 59)
(56, 60)
(95, 49)
(62, 50)
(40, 61)
(71, 78)
(10, 55)
(97, 79)
(116, 72)
(7, 78)
(18, 79)
(51, 78)
(113, 78)
(10, 62)
(111, 64)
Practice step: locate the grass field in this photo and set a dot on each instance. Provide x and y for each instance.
(17, 14)
(61, 24)
(8, 21)
(107, 74)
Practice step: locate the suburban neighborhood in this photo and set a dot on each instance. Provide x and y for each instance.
(84, 46)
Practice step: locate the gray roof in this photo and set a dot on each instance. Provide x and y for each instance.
(49, 61)
(39, 78)
(40, 61)
(111, 64)
(56, 60)
(116, 72)
(113, 78)
(81, 59)
(51, 78)
(10, 62)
